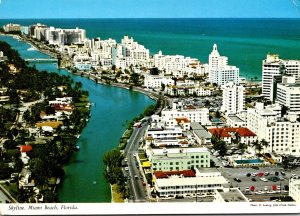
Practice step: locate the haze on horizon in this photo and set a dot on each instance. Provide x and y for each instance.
(10, 9)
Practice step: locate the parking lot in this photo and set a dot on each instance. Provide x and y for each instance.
(263, 189)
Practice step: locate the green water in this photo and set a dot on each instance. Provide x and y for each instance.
(84, 180)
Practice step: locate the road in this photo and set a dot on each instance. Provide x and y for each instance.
(134, 176)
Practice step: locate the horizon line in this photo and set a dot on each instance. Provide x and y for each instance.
(152, 18)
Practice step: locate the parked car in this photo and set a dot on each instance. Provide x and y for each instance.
(282, 173)
(266, 173)
(253, 179)
(276, 173)
(248, 174)
(237, 179)
(255, 167)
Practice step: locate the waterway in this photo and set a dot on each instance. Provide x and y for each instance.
(84, 181)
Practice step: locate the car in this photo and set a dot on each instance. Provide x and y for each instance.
(281, 178)
(237, 179)
(276, 173)
(253, 179)
(126, 168)
(255, 167)
(136, 176)
(266, 173)
(248, 174)
(254, 174)
(282, 173)
(246, 188)
(264, 179)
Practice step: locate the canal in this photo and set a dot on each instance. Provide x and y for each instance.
(113, 107)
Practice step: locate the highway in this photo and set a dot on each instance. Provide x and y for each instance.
(134, 176)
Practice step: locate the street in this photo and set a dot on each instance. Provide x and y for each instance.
(134, 176)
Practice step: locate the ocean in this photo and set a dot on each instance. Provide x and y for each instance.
(246, 42)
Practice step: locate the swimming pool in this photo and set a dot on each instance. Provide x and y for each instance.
(249, 161)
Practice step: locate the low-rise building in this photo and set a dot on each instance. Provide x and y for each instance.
(169, 159)
(235, 121)
(176, 184)
(229, 195)
(294, 188)
(227, 134)
(194, 114)
(201, 134)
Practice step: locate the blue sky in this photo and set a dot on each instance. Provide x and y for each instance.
(148, 8)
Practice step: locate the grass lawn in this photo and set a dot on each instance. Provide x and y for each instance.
(12, 188)
(116, 197)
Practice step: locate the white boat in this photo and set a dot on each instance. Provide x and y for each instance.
(31, 49)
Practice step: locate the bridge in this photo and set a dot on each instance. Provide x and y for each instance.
(41, 60)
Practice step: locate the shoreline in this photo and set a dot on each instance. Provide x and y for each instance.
(151, 95)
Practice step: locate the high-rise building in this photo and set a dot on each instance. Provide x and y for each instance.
(288, 94)
(233, 98)
(274, 66)
(219, 70)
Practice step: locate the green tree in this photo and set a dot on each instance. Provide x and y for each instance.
(242, 147)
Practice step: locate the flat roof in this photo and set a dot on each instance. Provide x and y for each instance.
(179, 150)
(235, 118)
(200, 131)
(233, 195)
(177, 181)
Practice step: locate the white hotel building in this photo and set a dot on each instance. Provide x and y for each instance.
(288, 94)
(200, 115)
(178, 65)
(156, 81)
(178, 158)
(282, 134)
(179, 185)
(273, 66)
(219, 70)
(233, 98)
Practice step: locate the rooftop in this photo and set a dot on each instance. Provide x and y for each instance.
(175, 181)
(178, 150)
(166, 174)
(224, 132)
(53, 124)
(235, 118)
(233, 195)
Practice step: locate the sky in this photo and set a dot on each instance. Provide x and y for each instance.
(149, 9)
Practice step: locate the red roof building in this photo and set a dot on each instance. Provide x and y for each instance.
(166, 174)
(25, 148)
(247, 136)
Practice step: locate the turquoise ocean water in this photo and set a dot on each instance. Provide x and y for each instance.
(245, 41)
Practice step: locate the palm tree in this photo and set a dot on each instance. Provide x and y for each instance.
(257, 145)
(242, 147)
(264, 143)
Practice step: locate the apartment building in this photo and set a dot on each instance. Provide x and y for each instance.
(288, 94)
(233, 98)
(281, 133)
(273, 67)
